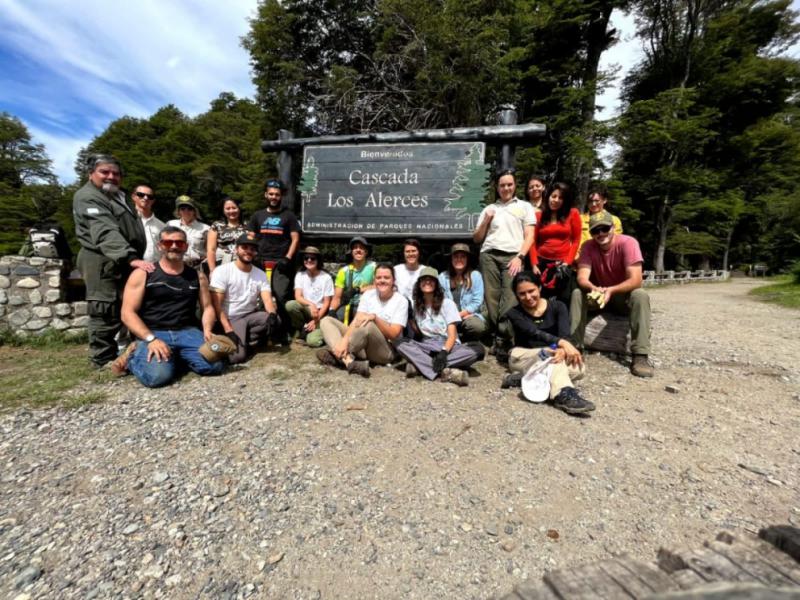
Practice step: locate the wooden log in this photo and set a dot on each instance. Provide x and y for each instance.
(607, 332)
(588, 582)
(750, 561)
(705, 562)
(783, 537)
(532, 591)
(725, 590)
(777, 559)
(636, 578)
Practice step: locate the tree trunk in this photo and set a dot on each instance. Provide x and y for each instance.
(663, 220)
(727, 252)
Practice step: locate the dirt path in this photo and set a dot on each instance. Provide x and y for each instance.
(288, 480)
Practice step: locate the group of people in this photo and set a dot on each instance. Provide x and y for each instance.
(190, 294)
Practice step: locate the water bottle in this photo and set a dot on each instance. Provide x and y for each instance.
(544, 354)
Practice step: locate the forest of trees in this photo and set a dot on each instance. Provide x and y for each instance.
(707, 172)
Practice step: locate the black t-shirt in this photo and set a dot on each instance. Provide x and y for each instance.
(170, 301)
(273, 231)
(535, 332)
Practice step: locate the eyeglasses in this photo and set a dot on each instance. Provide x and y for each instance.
(143, 195)
(177, 244)
(602, 229)
(310, 258)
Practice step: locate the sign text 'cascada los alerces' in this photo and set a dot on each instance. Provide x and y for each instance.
(430, 189)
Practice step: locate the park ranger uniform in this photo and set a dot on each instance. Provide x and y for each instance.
(111, 236)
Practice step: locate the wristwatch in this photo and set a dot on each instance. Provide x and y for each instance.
(521, 256)
(149, 338)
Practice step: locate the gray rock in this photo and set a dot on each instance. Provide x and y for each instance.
(130, 529)
(16, 300)
(80, 308)
(5, 282)
(35, 297)
(59, 324)
(3, 297)
(18, 318)
(27, 576)
(52, 296)
(37, 261)
(28, 283)
(4, 270)
(42, 312)
(35, 324)
(25, 270)
(63, 309)
(80, 321)
(491, 529)
(160, 477)
(672, 389)
(54, 282)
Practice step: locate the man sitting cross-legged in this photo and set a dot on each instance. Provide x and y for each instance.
(235, 290)
(610, 278)
(159, 308)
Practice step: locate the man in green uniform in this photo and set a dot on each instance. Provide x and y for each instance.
(112, 242)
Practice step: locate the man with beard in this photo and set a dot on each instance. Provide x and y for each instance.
(278, 233)
(610, 278)
(235, 290)
(112, 243)
(160, 309)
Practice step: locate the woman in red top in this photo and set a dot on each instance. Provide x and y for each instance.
(557, 240)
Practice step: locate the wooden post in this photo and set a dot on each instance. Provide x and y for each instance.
(506, 116)
(285, 170)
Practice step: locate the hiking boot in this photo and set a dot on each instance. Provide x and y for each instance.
(411, 370)
(119, 366)
(641, 367)
(457, 376)
(501, 355)
(359, 367)
(327, 358)
(571, 402)
(511, 380)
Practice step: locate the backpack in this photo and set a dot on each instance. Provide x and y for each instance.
(48, 241)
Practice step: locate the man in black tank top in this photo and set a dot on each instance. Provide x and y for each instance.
(159, 308)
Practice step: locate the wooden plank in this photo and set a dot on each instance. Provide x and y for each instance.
(706, 563)
(686, 579)
(751, 562)
(777, 559)
(607, 332)
(783, 537)
(637, 578)
(588, 582)
(725, 590)
(534, 591)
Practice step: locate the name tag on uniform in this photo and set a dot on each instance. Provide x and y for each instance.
(92, 211)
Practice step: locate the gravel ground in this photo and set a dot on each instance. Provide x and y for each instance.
(290, 480)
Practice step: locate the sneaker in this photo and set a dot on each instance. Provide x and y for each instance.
(571, 402)
(641, 367)
(411, 370)
(359, 367)
(501, 355)
(457, 376)
(119, 366)
(327, 358)
(511, 380)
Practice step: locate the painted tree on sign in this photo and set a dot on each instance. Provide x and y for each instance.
(309, 180)
(469, 185)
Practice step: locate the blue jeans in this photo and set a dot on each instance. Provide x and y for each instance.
(183, 345)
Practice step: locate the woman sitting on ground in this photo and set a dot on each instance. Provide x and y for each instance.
(463, 284)
(221, 242)
(313, 292)
(382, 315)
(438, 353)
(352, 280)
(539, 323)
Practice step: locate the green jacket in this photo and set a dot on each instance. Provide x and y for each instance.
(111, 236)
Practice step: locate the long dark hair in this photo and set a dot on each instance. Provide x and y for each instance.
(568, 201)
(466, 277)
(525, 277)
(238, 204)
(419, 298)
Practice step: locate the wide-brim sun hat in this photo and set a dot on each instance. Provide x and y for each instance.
(185, 200)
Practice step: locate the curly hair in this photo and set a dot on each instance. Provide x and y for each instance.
(419, 298)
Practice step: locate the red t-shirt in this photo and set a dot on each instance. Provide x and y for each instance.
(559, 240)
(608, 268)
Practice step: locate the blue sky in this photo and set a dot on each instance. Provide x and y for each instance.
(69, 68)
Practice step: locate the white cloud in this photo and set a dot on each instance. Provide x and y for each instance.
(99, 61)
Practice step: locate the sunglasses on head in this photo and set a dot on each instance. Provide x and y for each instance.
(143, 195)
(178, 244)
(601, 229)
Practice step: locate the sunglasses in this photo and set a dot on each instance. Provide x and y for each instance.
(310, 258)
(177, 244)
(144, 196)
(602, 229)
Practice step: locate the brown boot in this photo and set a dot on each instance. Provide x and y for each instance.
(120, 365)
(641, 367)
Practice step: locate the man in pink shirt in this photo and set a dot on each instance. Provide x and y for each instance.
(611, 264)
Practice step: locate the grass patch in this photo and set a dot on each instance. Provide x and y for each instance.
(44, 371)
(782, 290)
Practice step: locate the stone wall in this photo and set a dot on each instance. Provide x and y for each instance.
(33, 293)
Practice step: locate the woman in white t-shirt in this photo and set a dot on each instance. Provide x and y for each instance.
(382, 315)
(408, 271)
(313, 292)
(438, 353)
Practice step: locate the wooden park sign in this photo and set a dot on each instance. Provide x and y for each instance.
(393, 190)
